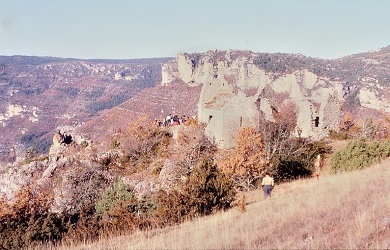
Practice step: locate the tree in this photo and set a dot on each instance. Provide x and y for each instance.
(275, 133)
(247, 160)
(289, 157)
(143, 141)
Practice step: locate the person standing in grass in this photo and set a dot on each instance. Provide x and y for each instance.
(267, 184)
(318, 166)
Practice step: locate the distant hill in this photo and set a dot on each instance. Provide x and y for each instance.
(154, 103)
(39, 94)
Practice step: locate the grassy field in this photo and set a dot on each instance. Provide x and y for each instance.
(345, 211)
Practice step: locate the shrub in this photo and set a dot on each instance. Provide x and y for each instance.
(112, 196)
(119, 210)
(359, 154)
(205, 190)
(28, 221)
(115, 142)
(208, 189)
(369, 127)
(157, 166)
(295, 158)
(192, 145)
(86, 227)
(87, 182)
(342, 135)
(275, 133)
(143, 142)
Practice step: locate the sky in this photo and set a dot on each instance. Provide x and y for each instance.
(126, 29)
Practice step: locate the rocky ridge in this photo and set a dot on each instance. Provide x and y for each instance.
(237, 86)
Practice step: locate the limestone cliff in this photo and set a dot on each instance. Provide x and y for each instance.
(239, 85)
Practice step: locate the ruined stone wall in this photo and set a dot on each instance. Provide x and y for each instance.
(331, 113)
(240, 111)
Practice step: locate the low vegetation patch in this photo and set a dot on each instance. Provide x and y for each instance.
(359, 154)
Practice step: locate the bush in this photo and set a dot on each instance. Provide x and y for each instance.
(28, 221)
(342, 135)
(359, 154)
(87, 182)
(205, 190)
(208, 189)
(142, 143)
(192, 146)
(112, 196)
(295, 158)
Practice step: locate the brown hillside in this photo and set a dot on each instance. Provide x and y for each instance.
(155, 103)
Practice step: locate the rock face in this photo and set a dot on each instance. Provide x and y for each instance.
(235, 90)
(373, 99)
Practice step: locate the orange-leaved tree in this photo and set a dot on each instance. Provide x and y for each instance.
(247, 160)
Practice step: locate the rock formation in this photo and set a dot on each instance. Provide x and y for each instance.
(236, 89)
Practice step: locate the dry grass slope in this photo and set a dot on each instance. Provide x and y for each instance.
(347, 211)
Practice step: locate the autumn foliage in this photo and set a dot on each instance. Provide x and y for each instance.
(28, 221)
(247, 160)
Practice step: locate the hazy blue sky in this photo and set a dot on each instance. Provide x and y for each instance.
(163, 28)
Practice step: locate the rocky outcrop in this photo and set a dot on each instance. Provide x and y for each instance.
(374, 99)
(235, 90)
(67, 136)
(169, 72)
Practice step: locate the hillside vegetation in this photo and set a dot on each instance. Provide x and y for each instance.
(151, 178)
(348, 211)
